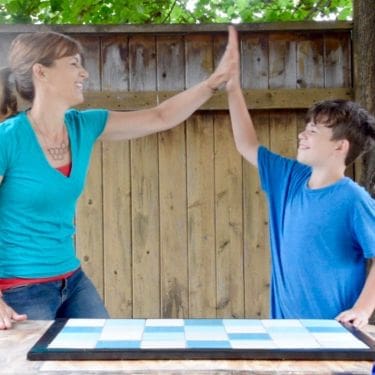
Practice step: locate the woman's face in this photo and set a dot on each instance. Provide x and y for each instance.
(64, 79)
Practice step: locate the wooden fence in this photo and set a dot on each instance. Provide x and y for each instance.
(175, 224)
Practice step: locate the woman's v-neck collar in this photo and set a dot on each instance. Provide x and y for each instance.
(42, 153)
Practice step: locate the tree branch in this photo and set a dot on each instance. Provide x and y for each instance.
(321, 4)
(170, 12)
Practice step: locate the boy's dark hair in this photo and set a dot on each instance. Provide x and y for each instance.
(348, 120)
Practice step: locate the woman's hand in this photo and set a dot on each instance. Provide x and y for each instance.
(8, 316)
(228, 69)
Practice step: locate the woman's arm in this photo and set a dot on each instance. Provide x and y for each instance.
(173, 111)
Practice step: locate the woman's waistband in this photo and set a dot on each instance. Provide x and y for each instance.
(19, 281)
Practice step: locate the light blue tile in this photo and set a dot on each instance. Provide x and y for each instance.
(120, 344)
(208, 344)
(249, 336)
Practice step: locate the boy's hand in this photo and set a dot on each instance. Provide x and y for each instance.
(229, 63)
(358, 318)
(234, 80)
(8, 316)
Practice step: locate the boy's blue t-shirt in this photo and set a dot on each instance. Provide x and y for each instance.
(37, 202)
(320, 239)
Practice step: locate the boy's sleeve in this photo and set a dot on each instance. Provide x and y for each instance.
(273, 169)
(363, 224)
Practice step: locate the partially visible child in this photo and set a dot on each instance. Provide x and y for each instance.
(322, 224)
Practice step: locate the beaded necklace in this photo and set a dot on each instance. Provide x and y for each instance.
(57, 152)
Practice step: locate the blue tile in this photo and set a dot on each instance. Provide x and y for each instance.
(118, 344)
(197, 344)
(164, 329)
(80, 330)
(327, 329)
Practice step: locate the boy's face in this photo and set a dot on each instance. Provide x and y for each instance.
(316, 147)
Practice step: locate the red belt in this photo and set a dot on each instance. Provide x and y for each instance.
(17, 281)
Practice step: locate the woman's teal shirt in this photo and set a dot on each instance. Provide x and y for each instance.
(37, 202)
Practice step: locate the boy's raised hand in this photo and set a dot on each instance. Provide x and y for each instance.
(234, 69)
(229, 63)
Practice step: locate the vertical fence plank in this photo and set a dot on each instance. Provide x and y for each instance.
(116, 191)
(172, 188)
(115, 63)
(282, 60)
(200, 187)
(255, 75)
(254, 61)
(310, 61)
(201, 226)
(117, 229)
(145, 191)
(283, 73)
(228, 222)
(228, 212)
(256, 237)
(337, 54)
(89, 219)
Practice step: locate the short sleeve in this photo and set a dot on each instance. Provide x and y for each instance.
(363, 224)
(5, 143)
(92, 121)
(275, 170)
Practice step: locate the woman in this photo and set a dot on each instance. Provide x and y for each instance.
(44, 157)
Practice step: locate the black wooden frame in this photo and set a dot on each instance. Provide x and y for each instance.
(40, 351)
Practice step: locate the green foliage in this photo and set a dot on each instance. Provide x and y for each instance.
(170, 11)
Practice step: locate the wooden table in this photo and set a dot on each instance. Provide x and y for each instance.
(15, 343)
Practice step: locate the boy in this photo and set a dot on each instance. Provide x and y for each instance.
(322, 224)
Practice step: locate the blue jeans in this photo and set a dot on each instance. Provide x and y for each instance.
(73, 297)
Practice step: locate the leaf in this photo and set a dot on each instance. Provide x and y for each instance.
(168, 11)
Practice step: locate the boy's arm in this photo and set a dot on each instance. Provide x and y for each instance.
(362, 310)
(243, 129)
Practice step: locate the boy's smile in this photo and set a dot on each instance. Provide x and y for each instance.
(316, 147)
